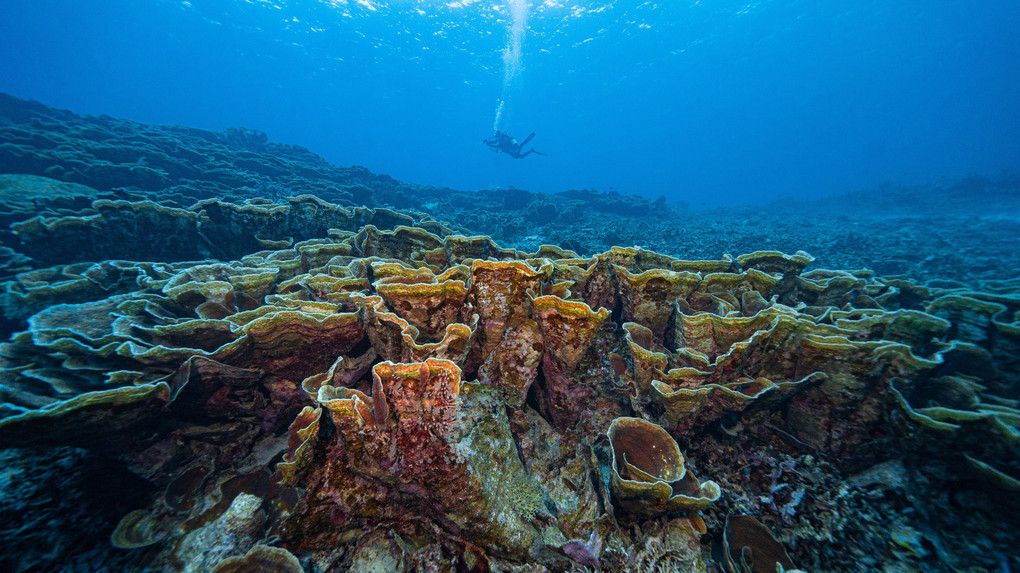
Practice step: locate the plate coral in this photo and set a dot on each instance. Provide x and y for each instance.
(297, 384)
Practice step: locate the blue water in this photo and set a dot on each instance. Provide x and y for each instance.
(707, 101)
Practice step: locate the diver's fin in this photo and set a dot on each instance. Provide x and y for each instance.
(527, 139)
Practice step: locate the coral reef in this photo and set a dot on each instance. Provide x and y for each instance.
(304, 385)
(937, 232)
(483, 411)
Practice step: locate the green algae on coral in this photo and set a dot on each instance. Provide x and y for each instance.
(85, 419)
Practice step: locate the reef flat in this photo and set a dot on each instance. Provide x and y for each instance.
(225, 354)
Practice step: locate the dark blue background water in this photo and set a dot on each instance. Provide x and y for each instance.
(704, 101)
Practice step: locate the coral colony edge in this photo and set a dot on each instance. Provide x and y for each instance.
(224, 354)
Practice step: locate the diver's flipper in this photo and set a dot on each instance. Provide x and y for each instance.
(527, 139)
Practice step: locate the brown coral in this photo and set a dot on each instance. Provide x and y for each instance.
(648, 475)
(461, 402)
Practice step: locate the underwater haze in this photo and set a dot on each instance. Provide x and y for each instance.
(278, 293)
(706, 102)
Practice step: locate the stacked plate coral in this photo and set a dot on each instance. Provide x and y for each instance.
(398, 398)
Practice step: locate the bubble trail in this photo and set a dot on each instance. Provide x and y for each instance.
(512, 55)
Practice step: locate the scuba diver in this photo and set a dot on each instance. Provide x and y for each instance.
(506, 143)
